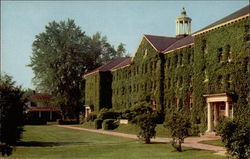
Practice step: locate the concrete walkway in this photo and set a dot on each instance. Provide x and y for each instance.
(192, 142)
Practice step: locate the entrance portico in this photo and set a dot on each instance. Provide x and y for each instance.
(218, 105)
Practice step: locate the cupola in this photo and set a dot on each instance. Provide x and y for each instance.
(183, 24)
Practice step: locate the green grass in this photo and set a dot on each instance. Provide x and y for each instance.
(50, 142)
(131, 129)
(213, 142)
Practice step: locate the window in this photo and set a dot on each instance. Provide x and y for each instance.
(188, 58)
(229, 53)
(190, 81)
(175, 60)
(220, 81)
(169, 82)
(229, 81)
(205, 74)
(204, 46)
(145, 53)
(220, 54)
(180, 82)
(169, 62)
(181, 59)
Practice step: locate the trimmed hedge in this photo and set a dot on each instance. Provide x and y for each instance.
(67, 122)
(108, 114)
(109, 124)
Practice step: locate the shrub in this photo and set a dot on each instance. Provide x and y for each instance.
(98, 123)
(81, 117)
(31, 118)
(108, 114)
(11, 114)
(67, 121)
(145, 118)
(236, 136)
(178, 122)
(109, 124)
(91, 117)
(127, 114)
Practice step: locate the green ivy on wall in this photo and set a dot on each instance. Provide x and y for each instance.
(139, 81)
(221, 67)
(218, 62)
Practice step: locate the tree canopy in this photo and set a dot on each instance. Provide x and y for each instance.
(11, 114)
(61, 55)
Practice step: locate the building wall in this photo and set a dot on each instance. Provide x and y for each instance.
(178, 75)
(221, 64)
(218, 62)
(139, 81)
(92, 90)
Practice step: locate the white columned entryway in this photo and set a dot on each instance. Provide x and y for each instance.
(213, 109)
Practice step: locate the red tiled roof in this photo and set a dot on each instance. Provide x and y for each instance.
(110, 65)
(237, 14)
(161, 43)
(126, 62)
(180, 43)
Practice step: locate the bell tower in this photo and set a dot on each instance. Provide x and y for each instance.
(183, 24)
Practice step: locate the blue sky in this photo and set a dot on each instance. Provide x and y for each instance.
(120, 21)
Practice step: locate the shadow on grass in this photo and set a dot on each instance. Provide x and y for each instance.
(47, 144)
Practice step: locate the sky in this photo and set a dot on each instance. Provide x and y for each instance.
(120, 21)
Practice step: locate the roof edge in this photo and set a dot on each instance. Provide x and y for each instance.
(178, 48)
(220, 25)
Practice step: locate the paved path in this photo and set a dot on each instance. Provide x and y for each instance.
(192, 142)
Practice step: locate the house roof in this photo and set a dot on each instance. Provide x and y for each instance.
(42, 109)
(125, 62)
(161, 43)
(118, 62)
(239, 13)
(180, 43)
(39, 97)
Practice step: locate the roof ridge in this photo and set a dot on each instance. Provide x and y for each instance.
(176, 43)
(159, 36)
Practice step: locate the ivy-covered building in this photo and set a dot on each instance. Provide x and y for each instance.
(206, 72)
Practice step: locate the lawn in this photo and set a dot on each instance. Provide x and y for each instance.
(131, 129)
(51, 142)
(214, 142)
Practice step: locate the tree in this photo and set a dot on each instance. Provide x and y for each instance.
(11, 114)
(146, 119)
(61, 55)
(178, 122)
(235, 133)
